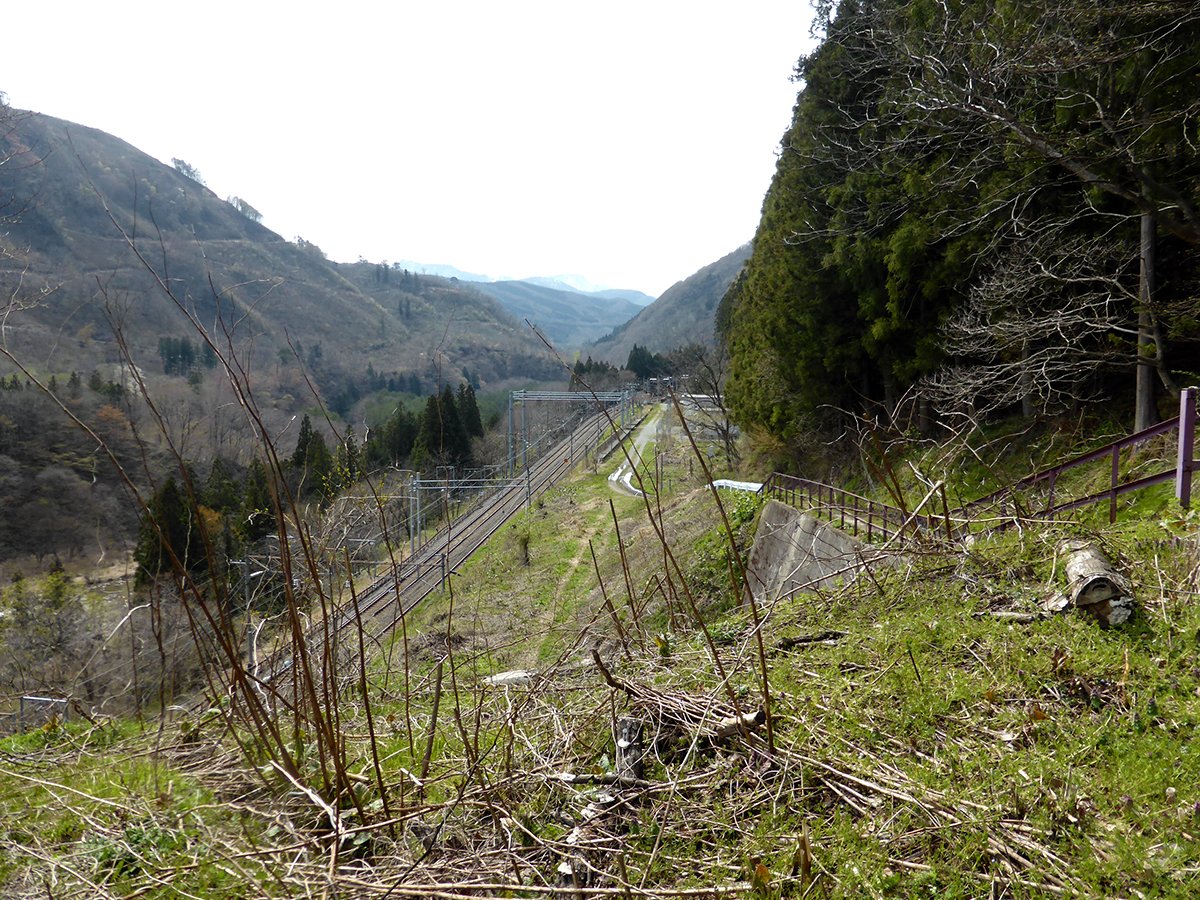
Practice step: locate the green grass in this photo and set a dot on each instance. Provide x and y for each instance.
(933, 749)
(1073, 733)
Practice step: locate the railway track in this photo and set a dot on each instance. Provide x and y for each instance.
(385, 602)
(393, 596)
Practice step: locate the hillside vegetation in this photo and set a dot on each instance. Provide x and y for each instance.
(108, 252)
(983, 216)
(684, 315)
(129, 285)
(962, 212)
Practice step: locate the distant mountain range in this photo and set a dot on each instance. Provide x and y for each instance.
(568, 319)
(106, 230)
(578, 284)
(684, 314)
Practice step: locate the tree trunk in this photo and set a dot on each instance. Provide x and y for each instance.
(1028, 408)
(889, 390)
(924, 416)
(1146, 411)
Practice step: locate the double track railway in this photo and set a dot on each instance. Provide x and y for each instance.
(382, 605)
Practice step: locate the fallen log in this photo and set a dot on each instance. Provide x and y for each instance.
(1095, 586)
(629, 749)
(743, 724)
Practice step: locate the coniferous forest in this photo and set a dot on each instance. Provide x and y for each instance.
(978, 206)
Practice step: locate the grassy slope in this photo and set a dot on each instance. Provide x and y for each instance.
(932, 749)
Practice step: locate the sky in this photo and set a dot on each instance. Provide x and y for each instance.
(629, 142)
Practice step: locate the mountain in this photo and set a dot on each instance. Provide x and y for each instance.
(569, 319)
(684, 314)
(637, 298)
(580, 285)
(114, 251)
(576, 284)
(441, 270)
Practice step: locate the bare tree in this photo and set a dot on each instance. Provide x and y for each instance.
(183, 167)
(1039, 329)
(1114, 130)
(1090, 87)
(706, 370)
(1002, 121)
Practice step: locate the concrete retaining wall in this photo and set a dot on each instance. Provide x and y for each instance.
(794, 551)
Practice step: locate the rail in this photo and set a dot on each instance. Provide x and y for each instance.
(873, 518)
(385, 602)
(879, 518)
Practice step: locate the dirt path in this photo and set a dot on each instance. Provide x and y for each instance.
(621, 480)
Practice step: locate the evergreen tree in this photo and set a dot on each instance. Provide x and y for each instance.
(456, 442)
(468, 410)
(222, 493)
(392, 442)
(345, 464)
(931, 141)
(300, 454)
(440, 438)
(170, 534)
(318, 465)
(641, 362)
(258, 507)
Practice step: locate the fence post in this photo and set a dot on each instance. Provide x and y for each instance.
(1187, 434)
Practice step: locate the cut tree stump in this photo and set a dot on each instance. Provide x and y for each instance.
(630, 751)
(1095, 586)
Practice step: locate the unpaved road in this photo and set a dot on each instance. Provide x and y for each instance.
(621, 480)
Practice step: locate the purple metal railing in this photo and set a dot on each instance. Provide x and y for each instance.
(874, 518)
(1181, 472)
(888, 521)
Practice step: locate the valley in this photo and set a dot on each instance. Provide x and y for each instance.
(861, 562)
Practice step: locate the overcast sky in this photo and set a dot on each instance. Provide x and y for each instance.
(630, 142)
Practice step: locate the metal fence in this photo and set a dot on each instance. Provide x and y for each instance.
(860, 515)
(874, 519)
(35, 712)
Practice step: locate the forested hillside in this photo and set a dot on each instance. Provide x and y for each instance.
(128, 287)
(684, 315)
(978, 206)
(107, 246)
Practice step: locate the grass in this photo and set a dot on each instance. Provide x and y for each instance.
(924, 746)
(1057, 722)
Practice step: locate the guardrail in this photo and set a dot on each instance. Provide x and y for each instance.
(1181, 473)
(879, 518)
(35, 712)
(873, 518)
